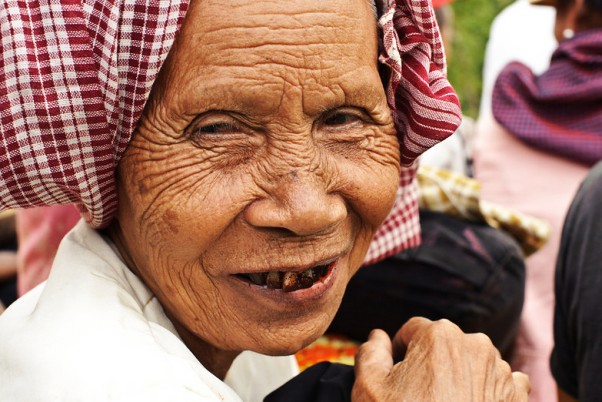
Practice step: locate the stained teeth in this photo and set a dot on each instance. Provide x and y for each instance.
(306, 279)
(288, 281)
(274, 280)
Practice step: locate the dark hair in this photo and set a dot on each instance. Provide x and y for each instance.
(590, 16)
(592, 5)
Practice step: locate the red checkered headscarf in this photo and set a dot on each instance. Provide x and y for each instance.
(75, 76)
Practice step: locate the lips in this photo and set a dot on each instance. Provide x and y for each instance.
(288, 281)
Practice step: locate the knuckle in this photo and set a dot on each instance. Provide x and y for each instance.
(442, 326)
(482, 342)
(522, 380)
(443, 330)
(362, 351)
(413, 320)
(444, 323)
(504, 368)
(481, 338)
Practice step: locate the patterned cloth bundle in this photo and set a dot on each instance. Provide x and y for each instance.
(456, 195)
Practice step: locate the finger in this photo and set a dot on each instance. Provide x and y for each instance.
(374, 358)
(521, 382)
(407, 332)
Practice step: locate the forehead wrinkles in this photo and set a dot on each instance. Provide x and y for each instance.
(241, 53)
(293, 33)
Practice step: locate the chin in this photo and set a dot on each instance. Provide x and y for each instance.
(288, 340)
(289, 348)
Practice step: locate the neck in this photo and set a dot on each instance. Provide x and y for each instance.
(215, 360)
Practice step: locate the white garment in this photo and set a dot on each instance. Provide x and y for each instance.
(94, 332)
(521, 32)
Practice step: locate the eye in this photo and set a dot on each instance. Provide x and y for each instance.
(216, 128)
(217, 125)
(341, 119)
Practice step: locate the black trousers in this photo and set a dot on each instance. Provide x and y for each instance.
(471, 274)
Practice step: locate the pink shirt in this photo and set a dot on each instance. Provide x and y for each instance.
(518, 176)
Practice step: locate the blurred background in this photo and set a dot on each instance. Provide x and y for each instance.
(472, 19)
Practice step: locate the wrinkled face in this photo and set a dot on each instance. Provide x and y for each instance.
(261, 169)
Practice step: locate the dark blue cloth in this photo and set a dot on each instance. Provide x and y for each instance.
(469, 273)
(323, 382)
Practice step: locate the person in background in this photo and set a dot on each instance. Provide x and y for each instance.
(521, 32)
(576, 360)
(532, 157)
(455, 152)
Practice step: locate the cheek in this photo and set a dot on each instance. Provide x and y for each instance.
(171, 214)
(178, 206)
(373, 181)
(371, 191)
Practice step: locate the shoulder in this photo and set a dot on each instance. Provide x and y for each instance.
(93, 332)
(583, 224)
(576, 356)
(592, 185)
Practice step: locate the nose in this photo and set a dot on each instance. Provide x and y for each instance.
(300, 205)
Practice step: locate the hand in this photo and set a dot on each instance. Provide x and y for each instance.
(441, 364)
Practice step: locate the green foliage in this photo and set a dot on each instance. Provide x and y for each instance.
(472, 19)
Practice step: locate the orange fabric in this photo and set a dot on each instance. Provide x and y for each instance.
(332, 348)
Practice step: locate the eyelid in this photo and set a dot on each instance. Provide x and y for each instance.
(216, 117)
(358, 112)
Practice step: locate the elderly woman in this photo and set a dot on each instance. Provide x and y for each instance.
(245, 195)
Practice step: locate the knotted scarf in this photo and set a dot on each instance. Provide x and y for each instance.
(75, 76)
(559, 111)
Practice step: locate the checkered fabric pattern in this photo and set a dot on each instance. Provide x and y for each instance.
(424, 105)
(74, 78)
(559, 111)
(75, 75)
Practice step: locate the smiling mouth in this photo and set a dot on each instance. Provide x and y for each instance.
(288, 281)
